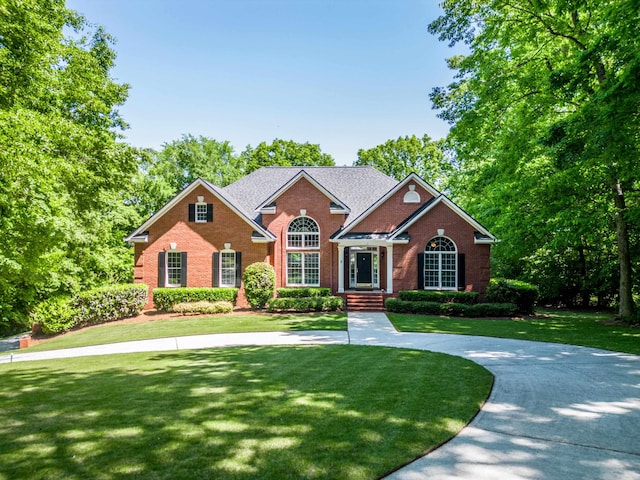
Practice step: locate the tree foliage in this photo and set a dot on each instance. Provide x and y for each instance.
(398, 158)
(285, 153)
(62, 214)
(545, 114)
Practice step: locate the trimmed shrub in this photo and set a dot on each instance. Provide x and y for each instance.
(305, 304)
(91, 307)
(203, 307)
(165, 298)
(259, 284)
(300, 292)
(502, 290)
(494, 310)
(452, 309)
(56, 314)
(468, 298)
(106, 304)
(404, 306)
(455, 309)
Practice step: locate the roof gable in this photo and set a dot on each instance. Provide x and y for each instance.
(482, 234)
(336, 203)
(412, 177)
(355, 187)
(262, 234)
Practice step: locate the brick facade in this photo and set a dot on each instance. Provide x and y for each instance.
(237, 228)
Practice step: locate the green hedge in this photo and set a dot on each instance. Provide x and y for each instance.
(110, 303)
(55, 315)
(305, 304)
(452, 309)
(91, 307)
(468, 298)
(524, 295)
(165, 298)
(301, 292)
(203, 307)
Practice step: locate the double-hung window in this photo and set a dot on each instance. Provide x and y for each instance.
(303, 263)
(227, 268)
(201, 212)
(174, 269)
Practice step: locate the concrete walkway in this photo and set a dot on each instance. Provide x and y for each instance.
(555, 412)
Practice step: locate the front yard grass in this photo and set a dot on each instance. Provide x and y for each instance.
(589, 329)
(179, 326)
(304, 412)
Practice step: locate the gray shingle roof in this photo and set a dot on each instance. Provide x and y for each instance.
(357, 187)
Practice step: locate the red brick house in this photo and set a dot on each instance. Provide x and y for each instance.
(352, 229)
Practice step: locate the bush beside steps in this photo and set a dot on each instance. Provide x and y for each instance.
(452, 309)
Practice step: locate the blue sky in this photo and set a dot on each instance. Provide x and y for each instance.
(344, 74)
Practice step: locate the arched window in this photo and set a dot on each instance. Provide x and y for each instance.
(303, 232)
(440, 264)
(303, 268)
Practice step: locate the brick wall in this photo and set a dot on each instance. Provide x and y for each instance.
(456, 229)
(305, 196)
(393, 211)
(199, 240)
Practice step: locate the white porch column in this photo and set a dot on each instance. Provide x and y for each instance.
(389, 268)
(340, 268)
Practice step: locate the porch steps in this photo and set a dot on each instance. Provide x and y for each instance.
(365, 302)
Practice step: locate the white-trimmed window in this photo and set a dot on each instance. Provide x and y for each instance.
(303, 267)
(174, 269)
(440, 264)
(227, 268)
(201, 212)
(303, 233)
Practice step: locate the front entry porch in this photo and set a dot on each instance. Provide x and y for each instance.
(365, 267)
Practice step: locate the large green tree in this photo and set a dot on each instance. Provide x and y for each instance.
(285, 153)
(545, 113)
(62, 214)
(398, 158)
(182, 161)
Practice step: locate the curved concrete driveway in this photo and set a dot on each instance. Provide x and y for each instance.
(555, 412)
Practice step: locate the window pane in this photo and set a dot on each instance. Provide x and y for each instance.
(227, 269)
(311, 269)
(174, 268)
(440, 244)
(294, 240)
(312, 240)
(201, 212)
(294, 268)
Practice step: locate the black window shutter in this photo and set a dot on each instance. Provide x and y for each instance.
(238, 269)
(161, 269)
(209, 212)
(216, 269)
(183, 269)
(192, 212)
(462, 281)
(421, 271)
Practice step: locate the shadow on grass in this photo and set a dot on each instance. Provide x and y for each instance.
(343, 412)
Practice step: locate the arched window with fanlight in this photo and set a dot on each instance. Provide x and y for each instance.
(439, 265)
(303, 263)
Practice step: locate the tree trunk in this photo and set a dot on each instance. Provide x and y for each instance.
(624, 257)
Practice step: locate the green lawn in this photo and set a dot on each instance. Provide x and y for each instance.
(305, 412)
(560, 326)
(112, 333)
